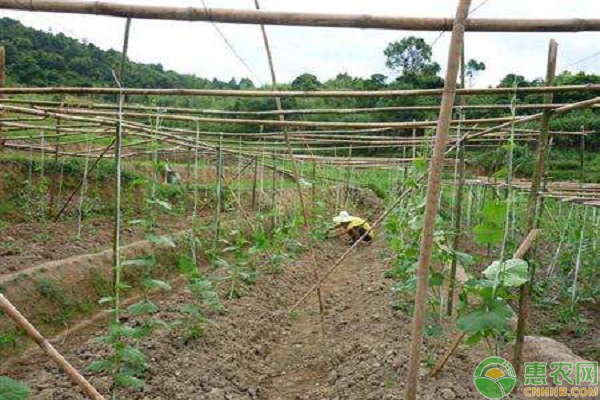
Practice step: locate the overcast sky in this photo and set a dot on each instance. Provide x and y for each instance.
(196, 47)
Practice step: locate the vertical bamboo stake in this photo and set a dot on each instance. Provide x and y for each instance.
(219, 168)
(60, 182)
(433, 192)
(47, 347)
(239, 188)
(414, 146)
(509, 190)
(347, 180)
(581, 155)
(274, 191)
(117, 217)
(563, 236)
(578, 261)
(2, 96)
(532, 203)
(42, 155)
(459, 190)
(84, 186)
(195, 209)
(290, 150)
(262, 175)
(53, 183)
(254, 183)
(314, 183)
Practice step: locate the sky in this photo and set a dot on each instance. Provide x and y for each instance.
(197, 48)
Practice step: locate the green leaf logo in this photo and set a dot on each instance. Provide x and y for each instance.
(495, 378)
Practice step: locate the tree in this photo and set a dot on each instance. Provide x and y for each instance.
(246, 83)
(376, 82)
(510, 79)
(472, 68)
(410, 55)
(306, 82)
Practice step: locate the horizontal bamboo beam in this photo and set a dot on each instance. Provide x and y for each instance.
(254, 17)
(308, 111)
(240, 121)
(590, 88)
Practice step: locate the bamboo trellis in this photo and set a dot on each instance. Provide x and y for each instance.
(100, 120)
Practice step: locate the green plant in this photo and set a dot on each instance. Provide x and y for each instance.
(10, 339)
(11, 389)
(206, 300)
(403, 229)
(490, 312)
(127, 363)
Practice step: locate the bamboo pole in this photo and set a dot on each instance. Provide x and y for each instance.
(281, 122)
(458, 196)
(237, 16)
(47, 347)
(581, 156)
(533, 202)
(2, 96)
(274, 210)
(254, 183)
(219, 176)
(117, 217)
(53, 183)
(194, 230)
(268, 113)
(92, 167)
(305, 212)
(589, 88)
(533, 117)
(433, 193)
(578, 260)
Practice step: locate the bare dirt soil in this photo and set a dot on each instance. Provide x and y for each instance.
(257, 351)
(24, 245)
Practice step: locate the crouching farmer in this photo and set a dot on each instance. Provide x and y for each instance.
(354, 227)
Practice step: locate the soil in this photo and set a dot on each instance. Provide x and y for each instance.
(256, 351)
(24, 245)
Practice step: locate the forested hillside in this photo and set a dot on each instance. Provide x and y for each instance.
(37, 58)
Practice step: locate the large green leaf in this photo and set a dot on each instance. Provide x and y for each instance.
(491, 230)
(490, 317)
(162, 241)
(511, 273)
(12, 390)
(144, 307)
(157, 284)
(488, 233)
(139, 262)
(129, 381)
(495, 211)
(99, 366)
(164, 204)
(186, 265)
(133, 356)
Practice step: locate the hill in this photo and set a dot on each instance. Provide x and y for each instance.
(37, 58)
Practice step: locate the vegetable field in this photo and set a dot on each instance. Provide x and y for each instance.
(173, 242)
